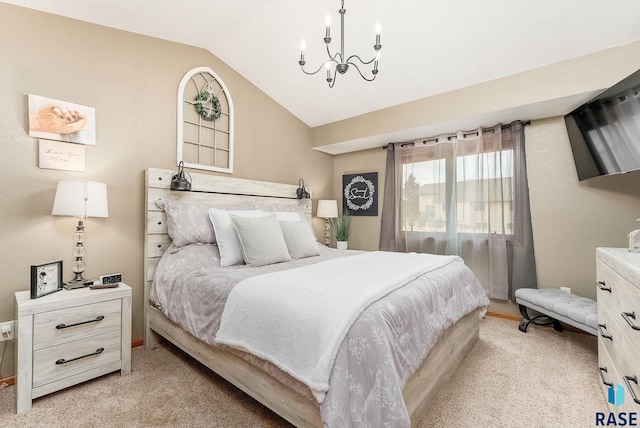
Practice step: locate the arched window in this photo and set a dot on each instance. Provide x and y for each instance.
(205, 122)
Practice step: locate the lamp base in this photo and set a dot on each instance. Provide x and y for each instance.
(74, 283)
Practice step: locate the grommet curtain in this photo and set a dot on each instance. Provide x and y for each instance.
(464, 194)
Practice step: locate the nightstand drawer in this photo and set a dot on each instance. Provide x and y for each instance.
(75, 323)
(68, 359)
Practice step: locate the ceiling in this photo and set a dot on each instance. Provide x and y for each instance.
(429, 47)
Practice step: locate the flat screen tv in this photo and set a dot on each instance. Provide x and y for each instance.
(605, 131)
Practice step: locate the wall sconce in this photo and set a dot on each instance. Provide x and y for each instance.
(302, 192)
(80, 199)
(179, 181)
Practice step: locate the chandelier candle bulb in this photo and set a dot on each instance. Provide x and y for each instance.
(327, 22)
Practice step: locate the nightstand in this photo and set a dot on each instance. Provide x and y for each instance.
(70, 337)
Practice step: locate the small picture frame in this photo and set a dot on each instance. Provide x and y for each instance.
(46, 278)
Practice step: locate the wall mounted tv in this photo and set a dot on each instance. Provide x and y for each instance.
(605, 132)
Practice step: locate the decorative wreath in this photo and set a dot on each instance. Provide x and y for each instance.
(347, 193)
(207, 105)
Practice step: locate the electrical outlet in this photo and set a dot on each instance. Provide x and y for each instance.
(7, 330)
(566, 289)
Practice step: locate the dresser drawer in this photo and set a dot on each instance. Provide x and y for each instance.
(608, 373)
(610, 286)
(76, 322)
(628, 316)
(610, 335)
(68, 359)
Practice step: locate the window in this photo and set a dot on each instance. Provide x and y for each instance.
(469, 193)
(205, 122)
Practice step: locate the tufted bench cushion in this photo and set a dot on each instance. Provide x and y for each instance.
(580, 312)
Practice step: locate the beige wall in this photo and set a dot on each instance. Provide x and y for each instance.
(132, 81)
(571, 218)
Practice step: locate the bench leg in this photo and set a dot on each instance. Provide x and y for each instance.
(526, 320)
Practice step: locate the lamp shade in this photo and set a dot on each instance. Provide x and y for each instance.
(81, 199)
(327, 209)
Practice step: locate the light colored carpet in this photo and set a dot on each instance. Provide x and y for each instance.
(539, 379)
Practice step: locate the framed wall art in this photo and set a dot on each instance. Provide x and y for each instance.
(46, 278)
(205, 122)
(61, 120)
(58, 155)
(360, 194)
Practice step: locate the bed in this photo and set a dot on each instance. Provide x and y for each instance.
(172, 316)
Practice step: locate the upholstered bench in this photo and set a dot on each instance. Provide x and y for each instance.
(580, 312)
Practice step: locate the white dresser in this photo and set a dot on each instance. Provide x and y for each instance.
(618, 281)
(69, 337)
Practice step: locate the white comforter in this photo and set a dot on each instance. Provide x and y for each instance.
(298, 318)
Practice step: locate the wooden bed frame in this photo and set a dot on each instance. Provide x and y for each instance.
(420, 390)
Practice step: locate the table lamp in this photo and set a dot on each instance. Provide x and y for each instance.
(80, 199)
(327, 209)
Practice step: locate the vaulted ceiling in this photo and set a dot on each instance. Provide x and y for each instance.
(429, 47)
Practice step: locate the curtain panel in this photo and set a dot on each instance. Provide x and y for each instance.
(464, 194)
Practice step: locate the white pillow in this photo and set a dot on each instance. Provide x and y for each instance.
(226, 234)
(261, 240)
(300, 242)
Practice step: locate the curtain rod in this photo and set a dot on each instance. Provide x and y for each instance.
(528, 122)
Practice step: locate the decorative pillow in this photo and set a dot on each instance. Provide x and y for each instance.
(261, 240)
(187, 223)
(226, 234)
(300, 242)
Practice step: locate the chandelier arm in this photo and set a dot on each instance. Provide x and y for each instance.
(319, 68)
(360, 59)
(360, 72)
(333, 80)
(337, 58)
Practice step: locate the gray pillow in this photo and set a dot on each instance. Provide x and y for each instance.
(261, 240)
(187, 223)
(299, 241)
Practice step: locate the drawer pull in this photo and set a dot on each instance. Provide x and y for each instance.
(627, 317)
(601, 328)
(98, 318)
(604, 369)
(628, 380)
(63, 361)
(602, 286)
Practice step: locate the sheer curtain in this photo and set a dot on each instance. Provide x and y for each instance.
(464, 194)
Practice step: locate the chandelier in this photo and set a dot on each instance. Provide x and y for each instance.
(342, 64)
